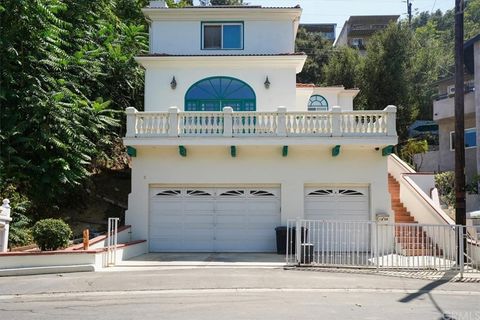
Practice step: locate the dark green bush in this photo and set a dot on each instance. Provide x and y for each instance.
(51, 234)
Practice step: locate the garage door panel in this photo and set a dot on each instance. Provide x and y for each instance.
(214, 219)
(340, 204)
(197, 206)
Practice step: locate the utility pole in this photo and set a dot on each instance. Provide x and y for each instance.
(460, 212)
(409, 11)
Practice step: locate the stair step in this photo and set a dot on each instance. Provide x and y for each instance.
(421, 252)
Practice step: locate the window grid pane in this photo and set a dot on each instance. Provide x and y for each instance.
(212, 36)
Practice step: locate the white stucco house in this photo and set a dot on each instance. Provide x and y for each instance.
(230, 146)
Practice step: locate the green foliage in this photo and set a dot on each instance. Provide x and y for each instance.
(51, 234)
(411, 148)
(68, 72)
(343, 68)
(386, 73)
(19, 233)
(445, 182)
(317, 50)
(472, 186)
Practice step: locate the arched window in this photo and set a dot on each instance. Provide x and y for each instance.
(317, 103)
(215, 93)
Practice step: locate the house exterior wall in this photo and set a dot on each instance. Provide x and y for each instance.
(159, 96)
(184, 37)
(256, 165)
(446, 156)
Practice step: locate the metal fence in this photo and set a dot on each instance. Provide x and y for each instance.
(380, 245)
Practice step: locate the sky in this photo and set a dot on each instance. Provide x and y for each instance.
(338, 11)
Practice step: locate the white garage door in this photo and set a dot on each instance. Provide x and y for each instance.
(213, 219)
(347, 205)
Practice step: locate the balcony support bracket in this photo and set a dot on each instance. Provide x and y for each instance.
(131, 151)
(336, 151)
(388, 150)
(182, 151)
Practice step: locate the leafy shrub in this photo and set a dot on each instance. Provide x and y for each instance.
(445, 183)
(472, 187)
(411, 148)
(51, 234)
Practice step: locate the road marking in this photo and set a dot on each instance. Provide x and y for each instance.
(227, 291)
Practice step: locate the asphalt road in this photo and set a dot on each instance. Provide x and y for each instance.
(222, 293)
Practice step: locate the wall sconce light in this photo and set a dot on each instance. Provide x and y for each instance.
(173, 83)
(267, 83)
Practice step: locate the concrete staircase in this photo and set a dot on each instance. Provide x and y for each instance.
(402, 215)
(411, 238)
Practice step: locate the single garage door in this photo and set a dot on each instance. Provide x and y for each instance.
(213, 219)
(349, 206)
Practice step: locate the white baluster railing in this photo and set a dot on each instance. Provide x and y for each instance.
(228, 123)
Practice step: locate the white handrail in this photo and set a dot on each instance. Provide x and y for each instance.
(228, 123)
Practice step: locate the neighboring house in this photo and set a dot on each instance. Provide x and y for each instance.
(229, 146)
(326, 30)
(357, 30)
(444, 115)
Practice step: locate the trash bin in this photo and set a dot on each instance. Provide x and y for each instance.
(281, 233)
(306, 253)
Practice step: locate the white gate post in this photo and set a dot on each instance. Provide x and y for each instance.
(112, 241)
(4, 224)
(298, 240)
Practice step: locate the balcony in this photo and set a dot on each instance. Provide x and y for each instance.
(445, 108)
(258, 128)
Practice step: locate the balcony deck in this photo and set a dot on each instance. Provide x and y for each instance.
(260, 128)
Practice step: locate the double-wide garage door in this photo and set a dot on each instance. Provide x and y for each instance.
(213, 219)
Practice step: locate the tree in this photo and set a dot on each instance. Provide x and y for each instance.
(386, 73)
(343, 68)
(317, 50)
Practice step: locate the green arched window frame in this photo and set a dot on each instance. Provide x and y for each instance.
(317, 103)
(215, 93)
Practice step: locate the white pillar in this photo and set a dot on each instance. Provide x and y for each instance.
(336, 121)
(173, 122)
(131, 122)
(4, 224)
(227, 122)
(391, 120)
(282, 121)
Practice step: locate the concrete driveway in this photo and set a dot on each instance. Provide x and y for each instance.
(203, 260)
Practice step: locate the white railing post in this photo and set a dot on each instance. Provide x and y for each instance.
(282, 121)
(4, 224)
(336, 122)
(131, 122)
(112, 241)
(391, 120)
(173, 122)
(227, 122)
(298, 240)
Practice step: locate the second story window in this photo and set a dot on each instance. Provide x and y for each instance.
(222, 36)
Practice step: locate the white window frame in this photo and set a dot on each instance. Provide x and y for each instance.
(451, 140)
(221, 24)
